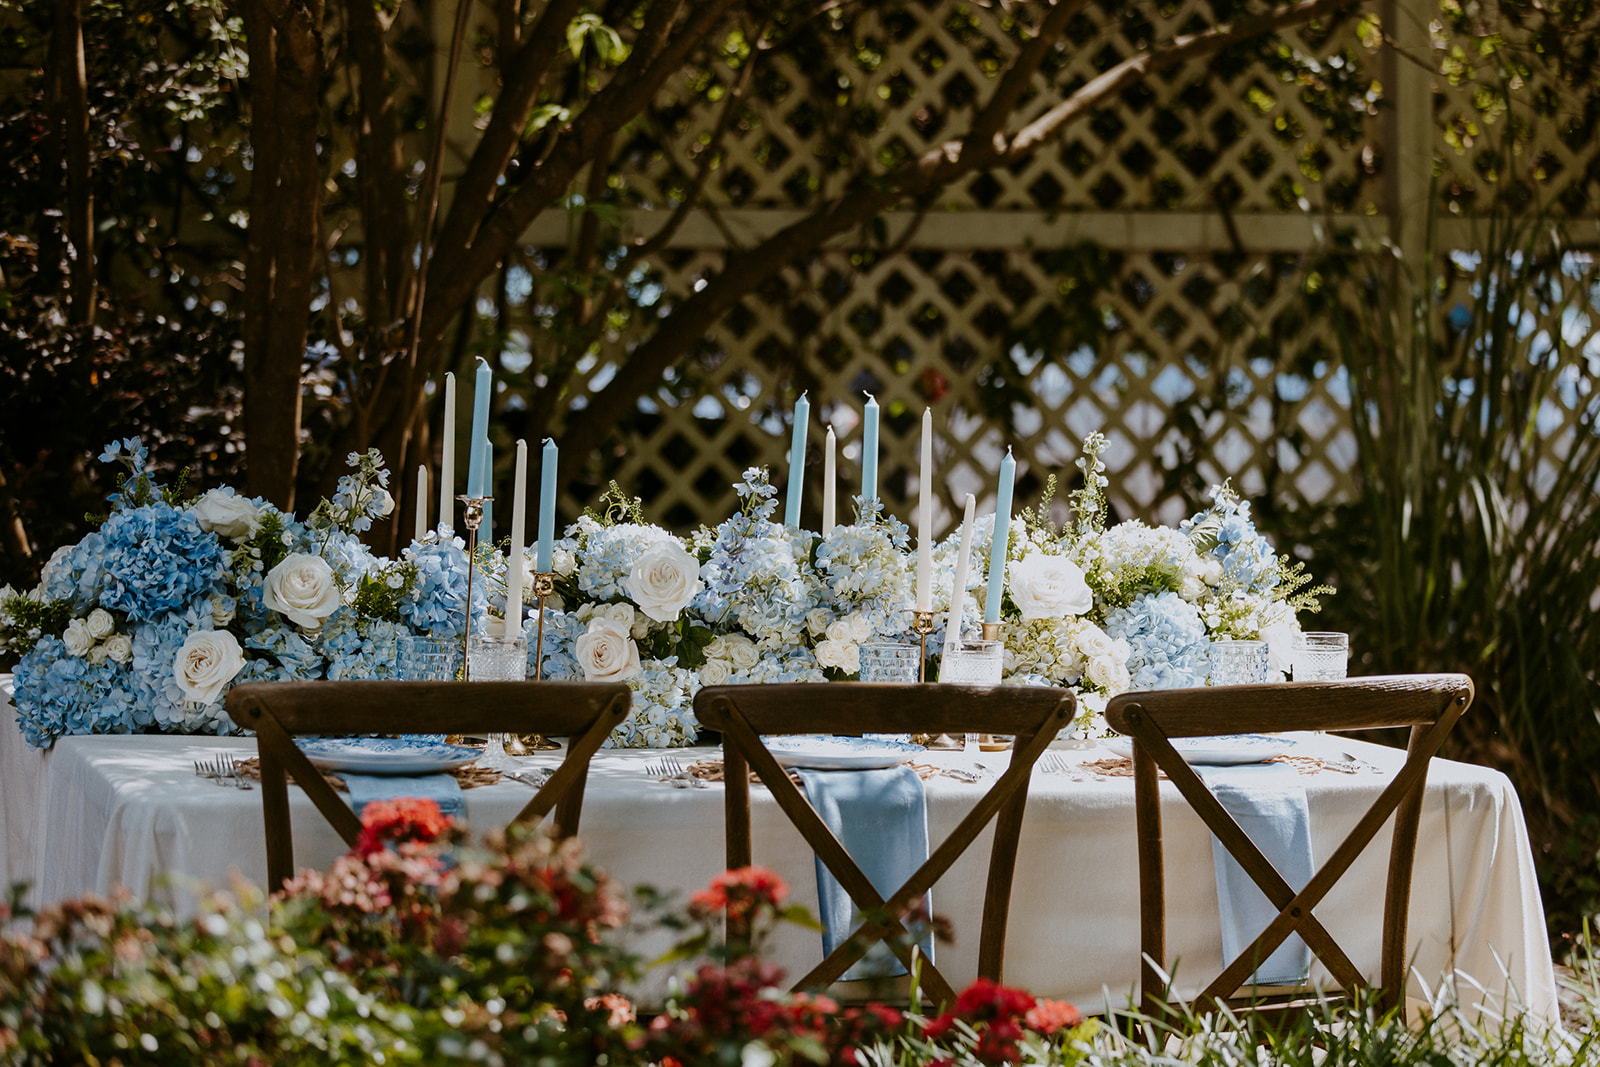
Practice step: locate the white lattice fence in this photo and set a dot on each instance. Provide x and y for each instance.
(1206, 186)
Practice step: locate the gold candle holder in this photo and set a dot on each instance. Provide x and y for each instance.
(544, 585)
(473, 508)
(922, 626)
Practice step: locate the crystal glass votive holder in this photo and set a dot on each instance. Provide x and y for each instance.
(890, 661)
(497, 659)
(1239, 662)
(1321, 657)
(429, 659)
(973, 663)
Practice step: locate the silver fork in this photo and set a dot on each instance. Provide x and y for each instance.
(231, 770)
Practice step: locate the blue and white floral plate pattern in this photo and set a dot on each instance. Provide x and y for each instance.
(1215, 751)
(820, 752)
(385, 755)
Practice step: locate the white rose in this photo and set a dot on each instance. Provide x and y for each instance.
(621, 614)
(1281, 631)
(302, 587)
(119, 647)
(607, 653)
(563, 561)
(1109, 673)
(100, 624)
(1211, 572)
(741, 651)
(817, 620)
(1048, 587)
(208, 661)
(77, 638)
(224, 513)
(222, 608)
(664, 579)
(860, 628)
(839, 631)
(715, 672)
(1191, 588)
(1092, 641)
(98, 655)
(843, 655)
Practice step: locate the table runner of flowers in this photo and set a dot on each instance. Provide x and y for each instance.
(145, 624)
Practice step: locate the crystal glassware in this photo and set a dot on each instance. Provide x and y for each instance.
(889, 661)
(1321, 657)
(429, 659)
(969, 662)
(497, 659)
(1239, 662)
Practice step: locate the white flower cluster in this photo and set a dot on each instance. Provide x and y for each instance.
(95, 638)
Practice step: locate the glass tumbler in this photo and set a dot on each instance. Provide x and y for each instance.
(973, 663)
(429, 659)
(1321, 657)
(890, 661)
(1239, 662)
(497, 659)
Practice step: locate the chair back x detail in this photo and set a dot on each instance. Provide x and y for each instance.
(1429, 704)
(278, 712)
(744, 713)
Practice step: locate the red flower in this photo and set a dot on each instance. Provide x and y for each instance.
(739, 892)
(401, 819)
(1048, 1016)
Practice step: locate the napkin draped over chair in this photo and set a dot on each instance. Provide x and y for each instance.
(881, 819)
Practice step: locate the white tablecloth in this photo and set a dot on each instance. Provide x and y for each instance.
(97, 812)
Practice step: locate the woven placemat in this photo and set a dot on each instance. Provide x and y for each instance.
(468, 777)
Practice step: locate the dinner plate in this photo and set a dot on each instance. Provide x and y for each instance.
(1215, 751)
(385, 755)
(821, 752)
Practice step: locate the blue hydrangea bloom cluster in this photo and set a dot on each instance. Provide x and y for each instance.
(157, 560)
(434, 604)
(1166, 638)
(353, 647)
(75, 574)
(865, 571)
(58, 694)
(607, 555)
(1225, 532)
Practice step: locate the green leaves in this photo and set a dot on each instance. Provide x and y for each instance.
(608, 45)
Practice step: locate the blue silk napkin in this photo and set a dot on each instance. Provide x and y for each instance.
(442, 789)
(1268, 802)
(881, 818)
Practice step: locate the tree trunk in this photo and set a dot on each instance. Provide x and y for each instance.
(285, 48)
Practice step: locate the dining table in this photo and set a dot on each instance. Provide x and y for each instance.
(97, 812)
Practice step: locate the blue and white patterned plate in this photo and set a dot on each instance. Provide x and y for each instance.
(821, 752)
(385, 755)
(1215, 751)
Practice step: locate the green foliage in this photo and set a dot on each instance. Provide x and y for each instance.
(378, 594)
(616, 506)
(1470, 545)
(24, 621)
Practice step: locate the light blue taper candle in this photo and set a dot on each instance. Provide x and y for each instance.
(797, 460)
(869, 449)
(486, 531)
(547, 506)
(477, 478)
(1002, 530)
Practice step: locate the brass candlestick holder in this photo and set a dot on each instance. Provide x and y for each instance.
(544, 585)
(922, 626)
(473, 517)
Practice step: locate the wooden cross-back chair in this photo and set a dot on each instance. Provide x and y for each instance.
(743, 713)
(278, 712)
(1429, 704)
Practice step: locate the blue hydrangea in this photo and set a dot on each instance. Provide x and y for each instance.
(864, 570)
(1225, 532)
(158, 561)
(1166, 638)
(353, 647)
(296, 657)
(753, 580)
(662, 715)
(76, 574)
(161, 705)
(58, 694)
(561, 632)
(436, 604)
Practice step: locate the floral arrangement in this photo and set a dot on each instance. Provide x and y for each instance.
(147, 622)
